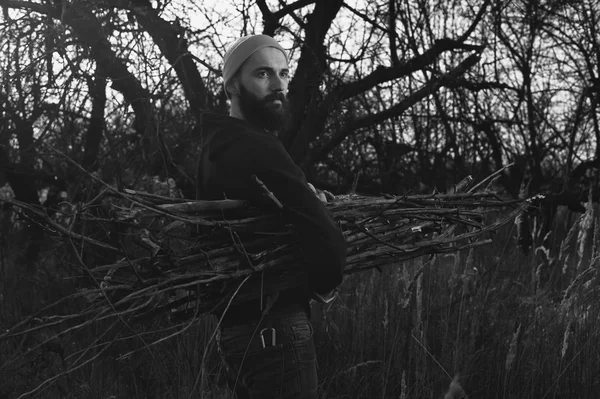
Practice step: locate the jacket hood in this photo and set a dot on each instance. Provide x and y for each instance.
(220, 131)
(211, 123)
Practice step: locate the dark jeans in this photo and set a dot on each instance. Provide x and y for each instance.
(286, 370)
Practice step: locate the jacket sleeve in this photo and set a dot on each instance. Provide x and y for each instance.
(321, 240)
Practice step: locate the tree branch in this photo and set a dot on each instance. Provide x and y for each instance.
(282, 12)
(428, 89)
(89, 30)
(95, 130)
(87, 27)
(271, 23)
(318, 115)
(312, 66)
(26, 5)
(482, 85)
(173, 45)
(392, 32)
(476, 21)
(24, 133)
(365, 17)
(271, 19)
(386, 74)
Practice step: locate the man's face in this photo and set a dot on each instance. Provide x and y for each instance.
(262, 83)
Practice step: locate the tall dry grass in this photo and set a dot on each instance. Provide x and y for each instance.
(489, 323)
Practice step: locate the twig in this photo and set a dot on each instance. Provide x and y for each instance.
(66, 232)
(387, 244)
(267, 192)
(153, 196)
(355, 182)
(51, 380)
(493, 175)
(214, 333)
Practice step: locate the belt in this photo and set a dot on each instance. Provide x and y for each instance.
(250, 312)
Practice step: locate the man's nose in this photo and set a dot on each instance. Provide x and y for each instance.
(278, 83)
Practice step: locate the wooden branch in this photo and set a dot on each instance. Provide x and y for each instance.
(482, 85)
(271, 19)
(267, 192)
(153, 197)
(88, 28)
(50, 224)
(297, 141)
(282, 12)
(95, 130)
(491, 177)
(385, 74)
(450, 136)
(373, 119)
(392, 36)
(365, 17)
(119, 4)
(26, 5)
(312, 66)
(24, 132)
(206, 206)
(476, 21)
(172, 43)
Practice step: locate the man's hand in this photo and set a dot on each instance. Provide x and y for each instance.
(325, 298)
(324, 195)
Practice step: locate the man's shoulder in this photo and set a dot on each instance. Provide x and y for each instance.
(227, 136)
(226, 125)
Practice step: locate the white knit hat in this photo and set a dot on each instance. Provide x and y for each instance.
(241, 50)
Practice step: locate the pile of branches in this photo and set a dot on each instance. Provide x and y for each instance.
(186, 258)
(177, 259)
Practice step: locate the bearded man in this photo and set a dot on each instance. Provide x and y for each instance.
(267, 344)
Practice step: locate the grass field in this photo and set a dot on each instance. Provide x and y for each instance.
(491, 323)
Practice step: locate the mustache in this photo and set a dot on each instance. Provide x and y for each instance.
(275, 96)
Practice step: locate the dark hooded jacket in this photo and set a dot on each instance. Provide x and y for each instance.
(232, 152)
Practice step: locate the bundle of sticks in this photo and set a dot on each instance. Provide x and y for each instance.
(200, 254)
(185, 258)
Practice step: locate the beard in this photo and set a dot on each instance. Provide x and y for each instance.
(264, 112)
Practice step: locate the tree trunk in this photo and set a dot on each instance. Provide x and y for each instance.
(304, 88)
(173, 45)
(89, 30)
(97, 89)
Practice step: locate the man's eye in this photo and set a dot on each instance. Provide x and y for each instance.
(263, 74)
(285, 75)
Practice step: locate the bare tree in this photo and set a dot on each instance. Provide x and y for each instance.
(460, 89)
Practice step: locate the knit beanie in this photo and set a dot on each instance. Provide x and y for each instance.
(241, 50)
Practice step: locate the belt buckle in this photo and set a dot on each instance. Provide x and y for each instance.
(265, 342)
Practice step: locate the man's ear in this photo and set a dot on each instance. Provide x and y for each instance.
(232, 88)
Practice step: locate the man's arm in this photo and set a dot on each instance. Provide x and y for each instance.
(322, 242)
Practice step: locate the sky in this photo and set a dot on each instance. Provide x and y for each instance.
(216, 23)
